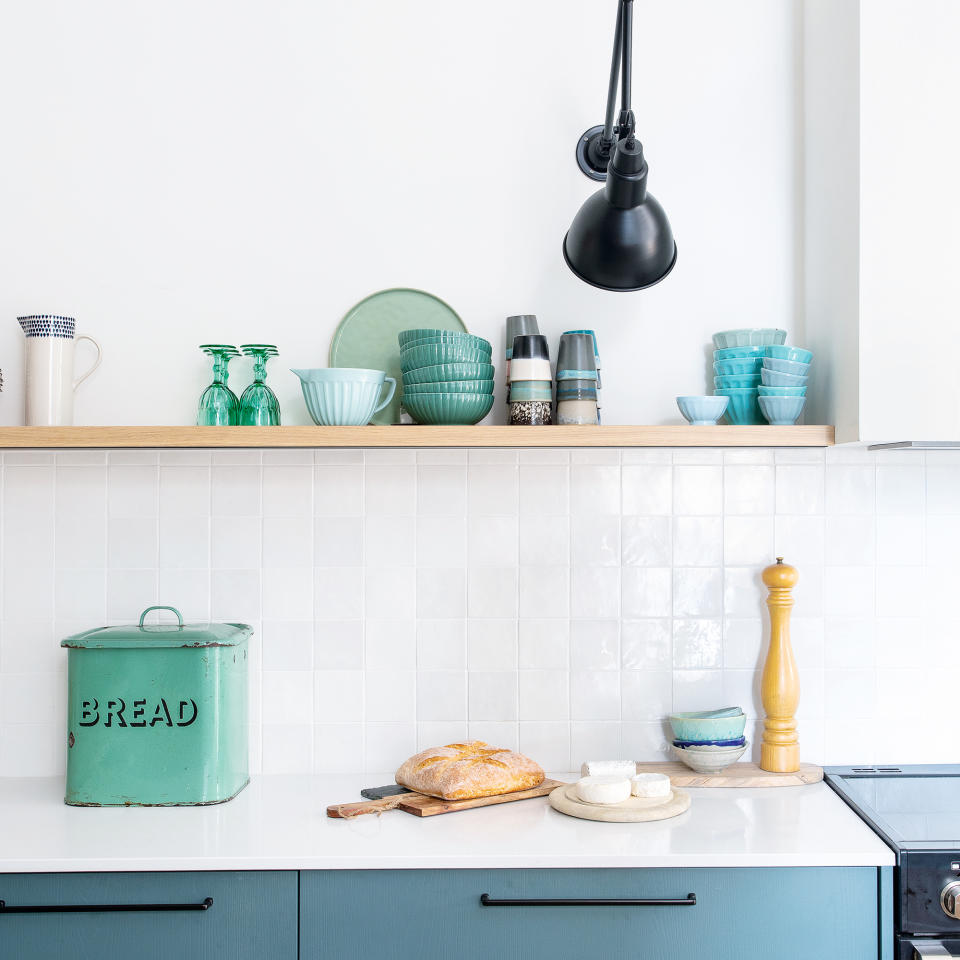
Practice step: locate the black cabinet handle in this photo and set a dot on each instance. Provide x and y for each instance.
(689, 901)
(205, 904)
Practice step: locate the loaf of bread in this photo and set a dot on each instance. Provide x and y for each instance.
(462, 771)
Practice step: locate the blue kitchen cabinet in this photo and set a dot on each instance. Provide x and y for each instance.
(253, 916)
(807, 913)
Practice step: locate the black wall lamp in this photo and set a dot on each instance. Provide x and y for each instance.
(620, 239)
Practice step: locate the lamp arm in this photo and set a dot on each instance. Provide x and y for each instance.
(626, 123)
(614, 75)
(595, 147)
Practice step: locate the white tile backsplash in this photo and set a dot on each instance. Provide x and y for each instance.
(560, 601)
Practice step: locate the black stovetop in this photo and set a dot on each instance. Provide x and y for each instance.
(911, 807)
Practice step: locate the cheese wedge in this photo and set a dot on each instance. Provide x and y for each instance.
(650, 785)
(608, 768)
(603, 790)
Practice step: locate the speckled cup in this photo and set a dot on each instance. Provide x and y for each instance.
(531, 413)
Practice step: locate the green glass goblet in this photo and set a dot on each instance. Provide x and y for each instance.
(259, 406)
(219, 406)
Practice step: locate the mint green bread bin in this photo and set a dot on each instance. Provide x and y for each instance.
(157, 714)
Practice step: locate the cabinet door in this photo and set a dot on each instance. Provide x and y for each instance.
(740, 914)
(253, 915)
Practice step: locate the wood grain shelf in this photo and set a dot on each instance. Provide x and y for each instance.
(414, 436)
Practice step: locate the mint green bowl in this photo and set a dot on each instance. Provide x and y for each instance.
(449, 386)
(449, 371)
(344, 396)
(448, 408)
(406, 337)
(433, 353)
(467, 340)
(727, 724)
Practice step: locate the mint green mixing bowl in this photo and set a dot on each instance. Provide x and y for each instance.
(344, 396)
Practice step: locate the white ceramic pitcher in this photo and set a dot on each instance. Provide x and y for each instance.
(50, 342)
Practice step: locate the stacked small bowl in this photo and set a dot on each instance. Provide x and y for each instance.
(447, 376)
(783, 383)
(710, 740)
(577, 376)
(737, 365)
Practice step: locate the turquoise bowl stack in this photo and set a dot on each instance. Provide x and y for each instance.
(783, 383)
(737, 364)
(447, 376)
(707, 741)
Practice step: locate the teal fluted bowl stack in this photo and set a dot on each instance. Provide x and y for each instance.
(447, 376)
(737, 362)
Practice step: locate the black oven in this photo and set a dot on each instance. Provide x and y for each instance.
(915, 810)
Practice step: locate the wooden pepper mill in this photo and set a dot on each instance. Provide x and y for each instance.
(780, 691)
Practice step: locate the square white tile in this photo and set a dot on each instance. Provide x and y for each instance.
(441, 593)
(544, 694)
(595, 645)
(543, 644)
(647, 489)
(492, 645)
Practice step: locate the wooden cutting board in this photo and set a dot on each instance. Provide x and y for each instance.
(423, 806)
(736, 775)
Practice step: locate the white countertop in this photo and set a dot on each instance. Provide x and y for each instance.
(280, 823)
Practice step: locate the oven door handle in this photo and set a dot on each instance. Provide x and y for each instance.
(929, 948)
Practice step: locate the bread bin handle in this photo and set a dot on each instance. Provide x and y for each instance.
(161, 606)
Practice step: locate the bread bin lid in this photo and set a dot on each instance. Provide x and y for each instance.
(150, 635)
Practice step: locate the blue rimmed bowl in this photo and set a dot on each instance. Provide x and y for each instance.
(743, 409)
(773, 378)
(781, 411)
(702, 411)
(738, 742)
(738, 365)
(780, 352)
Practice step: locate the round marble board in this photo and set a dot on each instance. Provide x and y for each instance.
(634, 810)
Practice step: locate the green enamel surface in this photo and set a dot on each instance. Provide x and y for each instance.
(149, 724)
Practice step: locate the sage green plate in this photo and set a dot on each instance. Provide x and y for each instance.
(367, 335)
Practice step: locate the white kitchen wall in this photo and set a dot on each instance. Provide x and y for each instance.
(242, 171)
(559, 601)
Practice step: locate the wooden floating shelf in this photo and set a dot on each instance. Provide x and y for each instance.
(414, 436)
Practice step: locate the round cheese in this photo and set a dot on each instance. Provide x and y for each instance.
(650, 785)
(604, 790)
(608, 768)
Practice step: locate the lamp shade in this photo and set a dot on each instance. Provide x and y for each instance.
(621, 239)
